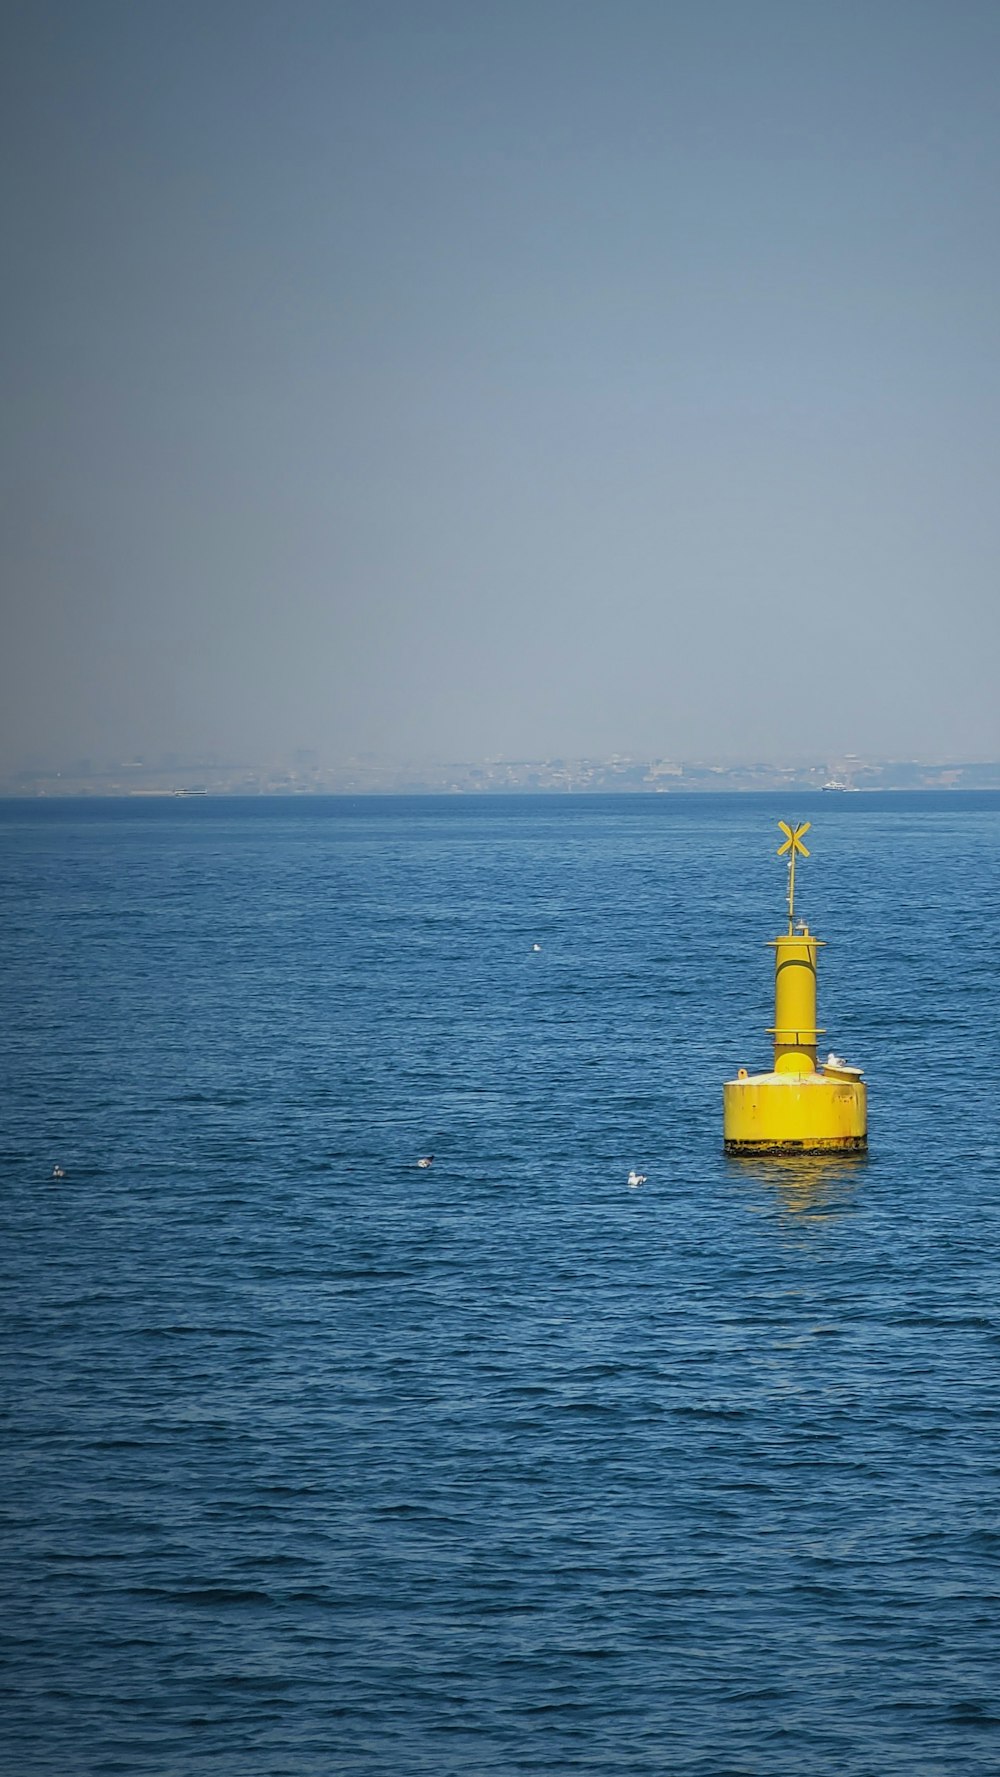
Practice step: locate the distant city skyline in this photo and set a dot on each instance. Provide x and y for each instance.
(306, 773)
(514, 380)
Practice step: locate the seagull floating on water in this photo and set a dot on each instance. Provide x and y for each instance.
(636, 1178)
(425, 1160)
(58, 1172)
(536, 947)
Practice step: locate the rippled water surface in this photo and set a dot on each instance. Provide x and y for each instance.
(316, 1462)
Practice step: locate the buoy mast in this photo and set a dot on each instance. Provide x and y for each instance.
(794, 1029)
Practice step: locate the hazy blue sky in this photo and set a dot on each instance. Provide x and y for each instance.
(468, 377)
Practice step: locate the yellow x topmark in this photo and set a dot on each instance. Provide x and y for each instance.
(793, 844)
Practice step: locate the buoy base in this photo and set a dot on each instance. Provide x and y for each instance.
(851, 1144)
(794, 1114)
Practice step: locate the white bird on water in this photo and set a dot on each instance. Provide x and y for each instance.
(536, 947)
(58, 1172)
(636, 1178)
(425, 1160)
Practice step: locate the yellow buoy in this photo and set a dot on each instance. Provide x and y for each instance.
(798, 1108)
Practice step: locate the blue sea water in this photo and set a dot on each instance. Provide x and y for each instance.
(316, 1462)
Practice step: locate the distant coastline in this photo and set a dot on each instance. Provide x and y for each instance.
(306, 775)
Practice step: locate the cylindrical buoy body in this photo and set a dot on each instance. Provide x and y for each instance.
(797, 1108)
(795, 1029)
(794, 1114)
